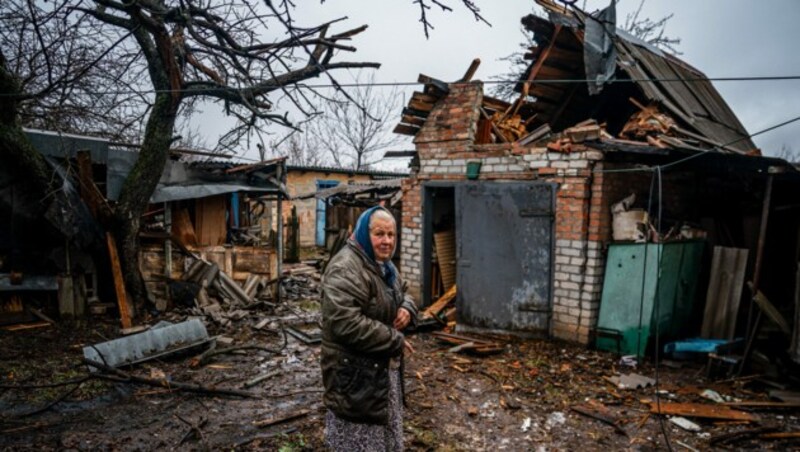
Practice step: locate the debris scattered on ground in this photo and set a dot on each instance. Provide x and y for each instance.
(631, 381)
(685, 424)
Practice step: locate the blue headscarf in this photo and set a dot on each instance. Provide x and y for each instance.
(361, 236)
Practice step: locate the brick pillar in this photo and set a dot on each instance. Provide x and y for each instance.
(579, 262)
(449, 128)
(410, 260)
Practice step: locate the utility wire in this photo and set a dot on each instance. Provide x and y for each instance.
(486, 82)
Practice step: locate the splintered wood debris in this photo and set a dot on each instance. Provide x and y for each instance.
(701, 410)
(468, 344)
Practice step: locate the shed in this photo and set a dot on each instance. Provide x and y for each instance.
(522, 191)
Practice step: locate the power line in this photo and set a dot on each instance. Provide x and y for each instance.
(486, 82)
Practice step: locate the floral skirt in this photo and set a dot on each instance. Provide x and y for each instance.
(342, 435)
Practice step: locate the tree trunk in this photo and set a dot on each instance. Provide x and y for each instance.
(139, 186)
(16, 152)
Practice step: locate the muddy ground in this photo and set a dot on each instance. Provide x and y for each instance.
(520, 399)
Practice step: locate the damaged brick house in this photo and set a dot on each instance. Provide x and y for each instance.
(523, 191)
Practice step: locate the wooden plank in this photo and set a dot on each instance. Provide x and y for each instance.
(764, 405)
(771, 312)
(445, 243)
(412, 120)
(780, 435)
(419, 105)
(437, 84)
(471, 70)
(495, 129)
(255, 260)
(552, 73)
(119, 282)
(422, 97)
(537, 67)
(459, 340)
(406, 129)
(183, 229)
(493, 103)
(600, 413)
(724, 292)
(412, 112)
(90, 194)
(440, 304)
(210, 224)
(399, 154)
(701, 410)
(25, 326)
(547, 91)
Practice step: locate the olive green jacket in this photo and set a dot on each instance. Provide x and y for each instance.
(358, 339)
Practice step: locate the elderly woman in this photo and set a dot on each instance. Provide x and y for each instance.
(364, 312)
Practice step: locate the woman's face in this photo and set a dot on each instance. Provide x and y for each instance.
(382, 236)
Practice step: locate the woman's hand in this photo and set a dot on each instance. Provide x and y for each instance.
(402, 319)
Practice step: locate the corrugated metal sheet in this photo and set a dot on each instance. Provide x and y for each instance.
(329, 169)
(65, 145)
(695, 101)
(354, 188)
(178, 180)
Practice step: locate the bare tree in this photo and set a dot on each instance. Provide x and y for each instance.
(353, 134)
(300, 151)
(788, 153)
(67, 82)
(166, 54)
(192, 49)
(651, 31)
(425, 6)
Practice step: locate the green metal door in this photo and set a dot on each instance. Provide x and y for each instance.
(626, 307)
(647, 289)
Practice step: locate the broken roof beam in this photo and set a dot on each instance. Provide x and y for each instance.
(406, 129)
(473, 67)
(399, 154)
(412, 120)
(534, 72)
(437, 84)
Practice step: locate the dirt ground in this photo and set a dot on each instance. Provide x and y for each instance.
(520, 399)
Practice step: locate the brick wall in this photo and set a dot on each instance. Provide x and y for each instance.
(445, 146)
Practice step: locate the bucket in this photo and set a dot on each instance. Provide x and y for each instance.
(473, 170)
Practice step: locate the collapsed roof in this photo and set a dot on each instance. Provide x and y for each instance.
(630, 80)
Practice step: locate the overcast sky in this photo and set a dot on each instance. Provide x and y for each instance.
(722, 38)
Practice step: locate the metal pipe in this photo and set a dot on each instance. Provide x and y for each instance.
(279, 269)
